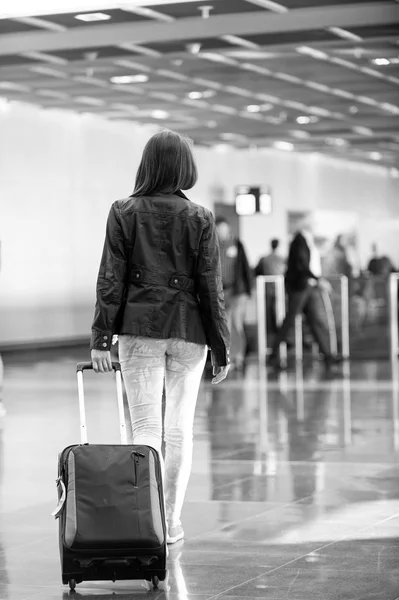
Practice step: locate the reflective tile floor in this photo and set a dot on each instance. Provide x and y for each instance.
(294, 493)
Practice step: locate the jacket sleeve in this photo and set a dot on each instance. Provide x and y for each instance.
(110, 283)
(211, 296)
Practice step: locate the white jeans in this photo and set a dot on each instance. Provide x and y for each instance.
(146, 364)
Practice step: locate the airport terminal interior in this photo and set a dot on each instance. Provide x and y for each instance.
(292, 107)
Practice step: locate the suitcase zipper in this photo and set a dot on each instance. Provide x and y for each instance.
(161, 494)
(136, 458)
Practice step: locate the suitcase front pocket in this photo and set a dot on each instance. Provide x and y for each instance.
(109, 501)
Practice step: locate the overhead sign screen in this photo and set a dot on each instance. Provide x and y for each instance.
(245, 204)
(250, 200)
(265, 202)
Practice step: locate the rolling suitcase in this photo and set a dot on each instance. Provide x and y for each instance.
(110, 506)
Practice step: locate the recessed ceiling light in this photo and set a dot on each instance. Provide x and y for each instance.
(208, 94)
(353, 110)
(123, 79)
(195, 95)
(333, 141)
(17, 87)
(283, 146)
(222, 147)
(233, 137)
(199, 95)
(228, 136)
(362, 130)
(89, 17)
(305, 119)
(194, 48)
(300, 134)
(88, 100)
(381, 62)
(375, 156)
(254, 108)
(159, 114)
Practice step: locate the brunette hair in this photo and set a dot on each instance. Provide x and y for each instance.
(167, 165)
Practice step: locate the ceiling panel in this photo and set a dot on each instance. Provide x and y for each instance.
(11, 26)
(292, 37)
(16, 60)
(100, 52)
(378, 30)
(181, 46)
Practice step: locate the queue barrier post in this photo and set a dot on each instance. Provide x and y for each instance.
(278, 282)
(393, 305)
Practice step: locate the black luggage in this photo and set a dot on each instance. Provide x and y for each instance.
(110, 507)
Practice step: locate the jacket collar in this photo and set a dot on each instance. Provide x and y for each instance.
(181, 195)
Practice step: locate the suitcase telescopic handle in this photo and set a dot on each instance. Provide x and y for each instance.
(83, 366)
(86, 366)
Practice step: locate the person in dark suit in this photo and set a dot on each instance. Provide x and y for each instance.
(306, 294)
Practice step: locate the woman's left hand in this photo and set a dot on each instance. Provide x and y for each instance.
(102, 362)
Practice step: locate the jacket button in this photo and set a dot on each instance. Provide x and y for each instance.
(176, 281)
(105, 337)
(137, 275)
(104, 345)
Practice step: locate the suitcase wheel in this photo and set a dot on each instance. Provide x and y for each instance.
(155, 581)
(72, 584)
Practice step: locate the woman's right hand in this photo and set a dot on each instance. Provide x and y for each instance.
(220, 373)
(102, 361)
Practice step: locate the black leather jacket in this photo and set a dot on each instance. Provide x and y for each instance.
(160, 275)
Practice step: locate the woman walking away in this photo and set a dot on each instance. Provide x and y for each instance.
(160, 288)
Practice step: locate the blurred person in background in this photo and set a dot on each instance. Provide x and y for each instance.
(337, 260)
(375, 288)
(2, 409)
(160, 288)
(237, 285)
(271, 265)
(308, 294)
(380, 265)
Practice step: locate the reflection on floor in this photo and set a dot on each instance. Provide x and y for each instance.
(294, 492)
